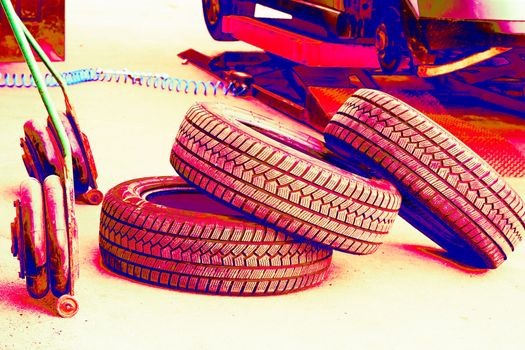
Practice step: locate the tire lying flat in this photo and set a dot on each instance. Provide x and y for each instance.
(276, 175)
(449, 193)
(162, 231)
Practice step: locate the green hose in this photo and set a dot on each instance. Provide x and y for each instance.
(47, 62)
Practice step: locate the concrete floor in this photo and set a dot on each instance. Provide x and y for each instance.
(401, 297)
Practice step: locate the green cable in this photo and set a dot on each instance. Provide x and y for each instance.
(47, 62)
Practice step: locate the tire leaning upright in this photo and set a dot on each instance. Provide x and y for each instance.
(449, 193)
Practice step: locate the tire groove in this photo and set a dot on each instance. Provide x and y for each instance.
(297, 177)
(319, 274)
(305, 222)
(239, 267)
(246, 183)
(459, 163)
(481, 230)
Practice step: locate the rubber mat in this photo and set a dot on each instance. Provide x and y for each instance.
(496, 136)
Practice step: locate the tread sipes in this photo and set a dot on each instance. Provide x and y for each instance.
(275, 174)
(169, 244)
(449, 193)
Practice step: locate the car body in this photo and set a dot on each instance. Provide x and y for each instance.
(429, 32)
(464, 25)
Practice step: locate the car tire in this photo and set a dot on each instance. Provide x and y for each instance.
(449, 193)
(276, 175)
(162, 231)
(214, 11)
(388, 41)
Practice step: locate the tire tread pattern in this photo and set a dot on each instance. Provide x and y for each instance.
(203, 253)
(434, 168)
(280, 187)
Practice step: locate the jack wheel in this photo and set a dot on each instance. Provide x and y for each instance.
(67, 306)
(93, 197)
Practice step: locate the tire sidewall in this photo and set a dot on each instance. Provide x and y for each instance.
(215, 29)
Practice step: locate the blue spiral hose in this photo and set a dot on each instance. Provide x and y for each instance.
(153, 80)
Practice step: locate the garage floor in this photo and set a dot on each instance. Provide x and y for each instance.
(404, 296)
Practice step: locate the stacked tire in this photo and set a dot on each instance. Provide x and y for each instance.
(155, 230)
(260, 204)
(278, 176)
(257, 210)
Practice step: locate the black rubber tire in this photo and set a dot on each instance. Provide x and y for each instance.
(57, 236)
(33, 231)
(147, 236)
(42, 156)
(80, 165)
(214, 11)
(276, 175)
(449, 193)
(41, 153)
(389, 40)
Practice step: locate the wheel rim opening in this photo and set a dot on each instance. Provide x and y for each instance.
(212, 8)
(190, 200)
(309, 146)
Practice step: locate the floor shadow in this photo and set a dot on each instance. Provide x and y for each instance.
(462, 264)
(10, 192)
(15, 296)
(96, 260)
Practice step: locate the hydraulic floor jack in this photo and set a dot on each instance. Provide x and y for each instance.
(60, 165)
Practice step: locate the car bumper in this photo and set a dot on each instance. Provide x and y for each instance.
(453, 34)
